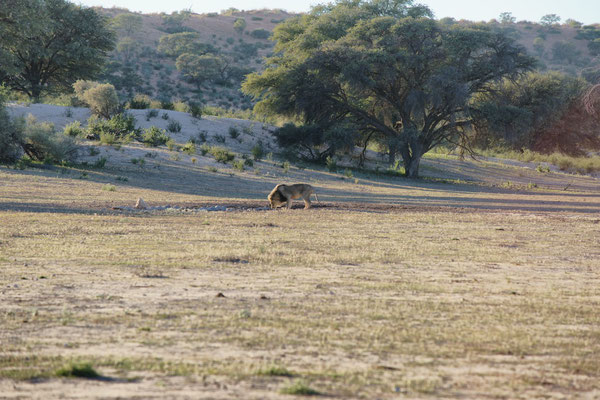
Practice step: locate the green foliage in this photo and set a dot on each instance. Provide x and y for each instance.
(538, 46)
(102, 99)
(565, 52)
(519, 114)
(239, 165)
(258, 151)
(139, 102)
(314, 142)
(383, 70)
(195, 109)
(239, 25)
(221, 154)
(11, 135)
(184, 43)
(174, 126)
(127, 23)
(507, 18)
(151, 114)
(51, 45)
(77, 370)
(199, 69)
(550, 19)
(41, 142)
(173, 23)
(154, 137)
(120, 128)
(189, 148)
(331, 164)
(74, 129)
(299, 388)
(260, 34)
(234, 132)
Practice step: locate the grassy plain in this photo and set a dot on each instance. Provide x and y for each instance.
(410, 289)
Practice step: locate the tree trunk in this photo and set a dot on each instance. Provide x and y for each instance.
(393, 149)
(412, 170)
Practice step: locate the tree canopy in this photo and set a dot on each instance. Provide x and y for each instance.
(50, 45)
(388, 68)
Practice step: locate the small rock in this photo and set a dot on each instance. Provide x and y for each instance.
(141, 204)
(220, 294)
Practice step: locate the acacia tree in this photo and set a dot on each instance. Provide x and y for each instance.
(72, 43)
(386, 68)
(199, 69)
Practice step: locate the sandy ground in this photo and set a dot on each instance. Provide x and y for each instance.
(388, 288)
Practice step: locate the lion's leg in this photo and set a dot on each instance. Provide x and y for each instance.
(306, 202)
(289, 202)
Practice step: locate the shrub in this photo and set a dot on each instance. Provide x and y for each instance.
(172, 145)
(151, 114)
(11, 136)
(260, 34)
(195, 110)
(220, 138)
(239, 165)
(101, 98)
(258, 151)
(174, 126)
(154, 137)
(221, 154)
(165, 116)
(74, 129)
(79, 370)
(204, 149)
(120, 127)
(331, 164)
(234, 132)
(202, 136)
(286, 166)
(189, 148)
(43, 143)
(139, 102)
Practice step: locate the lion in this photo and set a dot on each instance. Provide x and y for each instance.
(284, 194)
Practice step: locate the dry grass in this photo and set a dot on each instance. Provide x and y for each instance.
(499, 300)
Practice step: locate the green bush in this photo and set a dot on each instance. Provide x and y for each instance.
(43, 143)
(174, 126)
(234, 132)
(221, 154)
(151, 114)
(74, 129)
(78, 370)
(154, 137)
(239, 165)
(258, 151)
(189, 148)
(260, 34)
(120, 127)
(101, 98)
(11, 136)
(139, 102)
(195, 110)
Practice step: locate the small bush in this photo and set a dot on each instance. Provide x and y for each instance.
(172, 145)
(11, 136)
(120, 127)
(220, 138)
(165, 116)
(195, 110)
(204, 149)
(151, 114)
(43, 143)
(286, 167)
(234, 132)
(100, 163)
(331, 164)
(221, 154)
(239, 165)
(299, 388)
(248, 162)
(174, 126)
(109, 188)
(77, 370)
(74, 129)
(275, 371)
(202, 136)
(348, 173)
(139, 102)
(102, 98)
(154, 137)
(260, 34)
(189, 148)
(258, 151)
